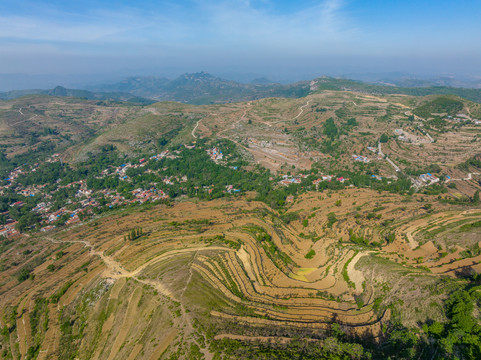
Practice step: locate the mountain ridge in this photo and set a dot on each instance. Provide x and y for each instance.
(80, 93)
(203, 88)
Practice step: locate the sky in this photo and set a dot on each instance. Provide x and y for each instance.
(265, 37)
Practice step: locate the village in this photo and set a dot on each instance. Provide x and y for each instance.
(88, 200)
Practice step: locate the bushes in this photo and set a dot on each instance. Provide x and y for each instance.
(345, 275)
(289, 217)
(442, 104)
(331, 219)
(56, 297)
(468, 227)
(310, 254)
(24, 274)
(358, 239)
(330, 129)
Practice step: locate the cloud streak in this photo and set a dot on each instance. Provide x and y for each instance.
(200, 32)
(208, 22)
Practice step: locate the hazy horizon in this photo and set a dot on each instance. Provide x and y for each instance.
(281, 40)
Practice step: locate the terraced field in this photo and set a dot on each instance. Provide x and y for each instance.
(231, 268)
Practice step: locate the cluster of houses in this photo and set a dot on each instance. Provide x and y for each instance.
(428, 178)
(288, 179)
(86, 198)
(8, 230)
(230, 189)
(328, 178)
(162, 155)
(13, 175)
(215, 154)
(360, 158)
(424, 180)
(152, 194)
(401, 135)
(462, 118)
(411, 138)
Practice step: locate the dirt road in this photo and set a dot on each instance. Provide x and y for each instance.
(195, 128)
(388, 160)
(302, 109)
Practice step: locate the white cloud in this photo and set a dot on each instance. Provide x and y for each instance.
(211, 22)
(209, 32)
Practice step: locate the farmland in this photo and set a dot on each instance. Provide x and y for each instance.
(247, 263)
(347, 219)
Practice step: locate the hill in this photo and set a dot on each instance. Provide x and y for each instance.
(328, 83)
(348, 219)
(204, 88)
(84, 94)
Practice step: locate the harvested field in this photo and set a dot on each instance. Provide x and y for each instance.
(252, 261)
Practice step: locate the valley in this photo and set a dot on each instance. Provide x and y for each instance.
(143, 231)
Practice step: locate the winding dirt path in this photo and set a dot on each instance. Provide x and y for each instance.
(233, 126)
(195, 128)
(116, 271)
(302, 109)
(387, 159)
(469, 177)
(19, 122)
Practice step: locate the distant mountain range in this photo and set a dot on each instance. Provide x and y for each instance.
(439, 81)
(89, 95)
(202, 88)
(329, 83)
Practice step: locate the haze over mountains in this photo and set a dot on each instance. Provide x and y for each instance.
(204, 88)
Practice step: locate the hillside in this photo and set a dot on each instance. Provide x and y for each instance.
(342, 224)
(84, 94)
(329, 83)
(204, 88)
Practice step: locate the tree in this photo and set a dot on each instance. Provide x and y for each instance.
(384, 138)
(475, 198)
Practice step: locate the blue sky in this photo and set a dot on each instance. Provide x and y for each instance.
(251, 36)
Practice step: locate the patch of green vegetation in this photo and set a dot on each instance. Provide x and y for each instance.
(474, 161)
(289, 217)
(330, 129)
(442, 104)
(38, 326)
(472, 251)
(471, 226)
(310, 254)
(345, 274)
(221, 238)
(278, 257)
(358, 239)
(24, 274)
(331, 219)
(56, 296)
